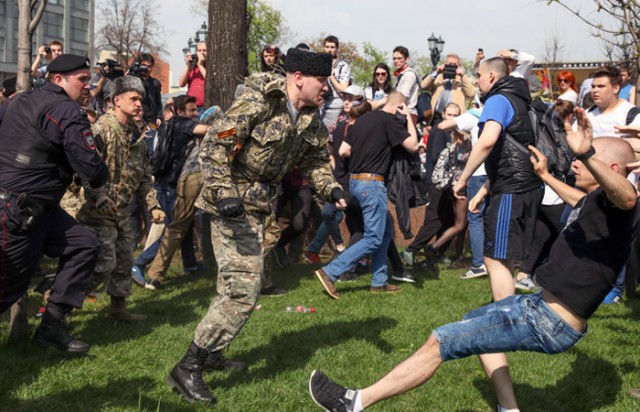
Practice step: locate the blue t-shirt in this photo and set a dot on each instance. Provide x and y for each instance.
(499, 109)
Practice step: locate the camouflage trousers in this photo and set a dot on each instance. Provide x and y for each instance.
(115, 258)
(239, 250)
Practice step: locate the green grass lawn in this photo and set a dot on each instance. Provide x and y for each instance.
(355, 340)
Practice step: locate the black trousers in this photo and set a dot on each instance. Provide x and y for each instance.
(439, 215)
(302, 209)
(57, 235)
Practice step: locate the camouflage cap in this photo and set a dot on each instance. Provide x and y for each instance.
(308, 62)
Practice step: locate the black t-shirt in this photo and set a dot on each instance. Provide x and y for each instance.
(372, 138)
(152, 102)
(341, 172)
(436, 143)
(589, 253)
(181, 145)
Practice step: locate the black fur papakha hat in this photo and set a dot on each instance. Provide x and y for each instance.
(308, 62)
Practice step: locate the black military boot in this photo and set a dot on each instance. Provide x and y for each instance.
(217, 361)
(186, 376)
(54, 332)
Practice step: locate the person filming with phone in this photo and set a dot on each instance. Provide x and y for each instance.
(49, 53)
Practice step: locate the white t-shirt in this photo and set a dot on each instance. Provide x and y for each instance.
(468, 122)
(603, 123)
(408, 86)
(569, 96)
(378, 95)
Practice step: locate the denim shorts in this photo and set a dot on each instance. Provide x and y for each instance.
(517, 323)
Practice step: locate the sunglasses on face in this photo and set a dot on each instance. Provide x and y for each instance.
(564, 81)
(382, 74)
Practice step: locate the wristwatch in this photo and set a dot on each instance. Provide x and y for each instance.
(586, 155)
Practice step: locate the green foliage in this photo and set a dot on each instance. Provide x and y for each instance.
(355, 340)
(266, 26)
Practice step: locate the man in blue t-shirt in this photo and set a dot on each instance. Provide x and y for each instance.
(505, 133)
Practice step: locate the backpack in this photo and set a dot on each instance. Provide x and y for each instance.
(162, 157)
(446, 168)
(424, 98)
(550, 138)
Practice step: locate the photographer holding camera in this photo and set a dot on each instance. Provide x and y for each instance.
(49, 53)
(194, 74)
(152, 102)
(110, 69)
(448, 84)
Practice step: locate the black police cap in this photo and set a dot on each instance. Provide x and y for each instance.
(67, 63)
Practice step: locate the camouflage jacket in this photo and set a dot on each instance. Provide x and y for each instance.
(128, 164)
(250, 148)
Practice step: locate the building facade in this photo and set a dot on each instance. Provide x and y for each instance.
(69, 21)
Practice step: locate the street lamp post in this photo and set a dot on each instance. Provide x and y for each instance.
(436, 46)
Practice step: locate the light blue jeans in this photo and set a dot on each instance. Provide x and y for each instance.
(516, 323)
(378, 233)
(476, 225)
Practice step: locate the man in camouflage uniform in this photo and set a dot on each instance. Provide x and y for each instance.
(125, 153)
(272, 126)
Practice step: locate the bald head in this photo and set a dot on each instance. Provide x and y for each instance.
(394, 99)
(496, 65)
(614, 151)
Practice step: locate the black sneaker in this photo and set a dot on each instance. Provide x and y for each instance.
(280, 255)
(329, 395)
(350, 276)
(273, 291)
(404, 277)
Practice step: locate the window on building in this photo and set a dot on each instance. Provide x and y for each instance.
(3, 15)
(60, 2)
(53, 25)
(80, 4)
(79, 29)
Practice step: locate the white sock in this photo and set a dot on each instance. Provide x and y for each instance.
(501, 409)
(357, 403)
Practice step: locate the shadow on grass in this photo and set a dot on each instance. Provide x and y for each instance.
(126, 394)
(289, 351)
(159, 307)
(591, 385)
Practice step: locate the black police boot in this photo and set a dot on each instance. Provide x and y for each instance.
(217, 361)
(54, 332)
(186, 376)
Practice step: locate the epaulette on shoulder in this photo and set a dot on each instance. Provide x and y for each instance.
(266, 83)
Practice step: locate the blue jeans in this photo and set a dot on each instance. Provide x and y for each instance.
(476, 227)
(516, 323)
(330, 226)
(378, 233)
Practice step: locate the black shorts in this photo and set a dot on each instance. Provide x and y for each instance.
(509, 224)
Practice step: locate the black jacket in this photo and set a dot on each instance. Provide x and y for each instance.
(508, 168)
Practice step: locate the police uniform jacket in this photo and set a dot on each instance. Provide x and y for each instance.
(45, 139)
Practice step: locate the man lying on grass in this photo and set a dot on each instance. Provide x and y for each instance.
(582, 267)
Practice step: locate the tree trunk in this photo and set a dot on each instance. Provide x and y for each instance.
(24, 46)
(227, 51)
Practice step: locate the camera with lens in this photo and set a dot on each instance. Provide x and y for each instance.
(194, 61)
(111, 69)
(47, 49)
(449, 71)
(138, 69)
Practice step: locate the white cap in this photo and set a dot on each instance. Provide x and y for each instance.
(354, 90)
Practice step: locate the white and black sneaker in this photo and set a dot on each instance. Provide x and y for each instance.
(404, 276)
(329, 395)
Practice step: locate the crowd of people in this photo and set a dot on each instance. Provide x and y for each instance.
(102, 165)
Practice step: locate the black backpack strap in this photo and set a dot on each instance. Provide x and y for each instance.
(631, 115)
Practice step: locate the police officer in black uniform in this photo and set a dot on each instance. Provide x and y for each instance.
(46, 138)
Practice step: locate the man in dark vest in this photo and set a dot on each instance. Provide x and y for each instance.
(45, 140)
